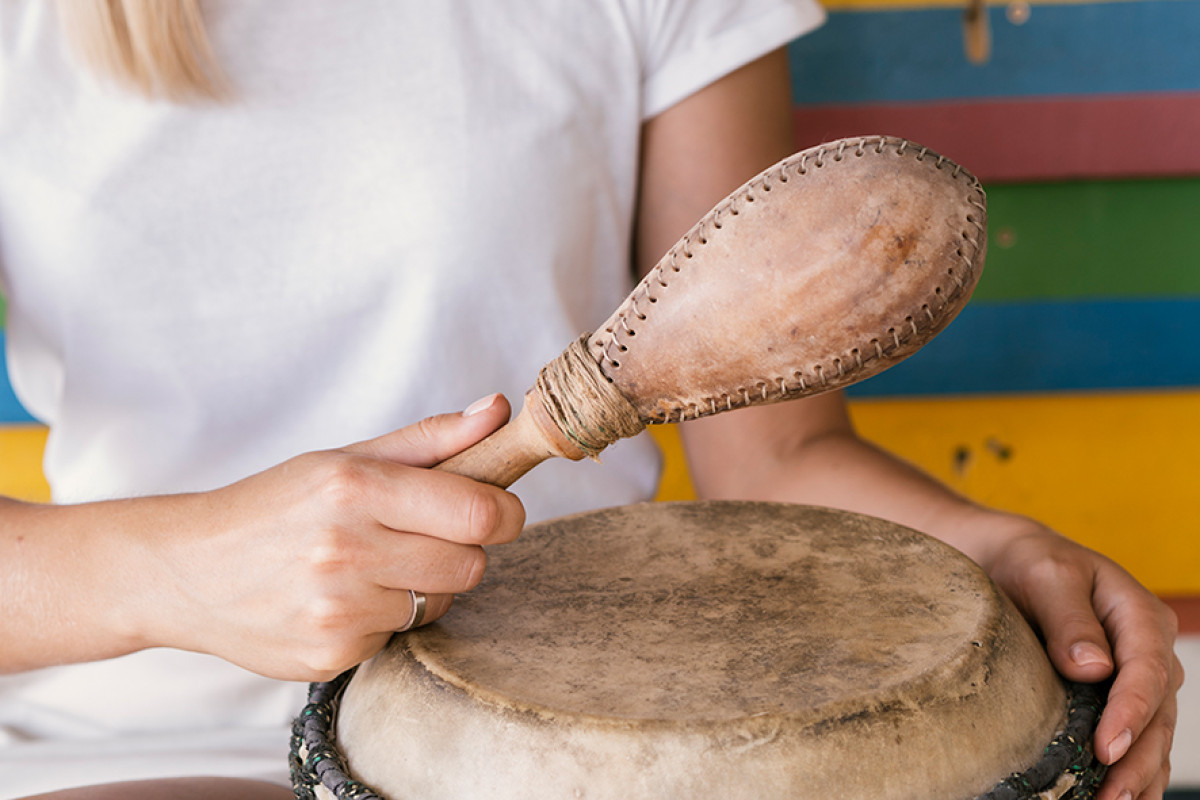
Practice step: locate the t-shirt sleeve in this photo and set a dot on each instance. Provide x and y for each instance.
(688, 45)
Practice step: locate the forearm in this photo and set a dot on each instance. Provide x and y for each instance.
(844, 471)
(812, 455)
(74, 582)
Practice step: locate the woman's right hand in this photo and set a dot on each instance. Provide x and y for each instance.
(303, 571)
(298, 572)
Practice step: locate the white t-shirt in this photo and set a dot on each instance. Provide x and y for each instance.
(406, 207)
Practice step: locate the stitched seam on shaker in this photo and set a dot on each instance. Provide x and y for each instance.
(678, 408)
(679, 413)
(881, 351)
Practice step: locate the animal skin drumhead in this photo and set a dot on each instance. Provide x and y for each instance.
(709, 650)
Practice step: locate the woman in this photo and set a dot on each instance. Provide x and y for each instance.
(303, 228)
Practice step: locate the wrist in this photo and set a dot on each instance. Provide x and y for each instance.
(982, 534)
(146, 603)
(111, 596)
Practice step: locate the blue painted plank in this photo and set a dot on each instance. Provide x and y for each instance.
(1073, 49)
(11, 409)
(996, 348)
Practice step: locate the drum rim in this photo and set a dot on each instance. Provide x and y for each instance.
(1068, 759)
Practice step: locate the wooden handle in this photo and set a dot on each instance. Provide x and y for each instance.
(522, 444)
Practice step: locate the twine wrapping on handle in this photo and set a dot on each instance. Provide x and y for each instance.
(586, 406)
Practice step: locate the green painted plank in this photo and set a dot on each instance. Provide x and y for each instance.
(1093, 240)
(1087, 240)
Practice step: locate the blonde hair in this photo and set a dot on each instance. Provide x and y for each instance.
(158, 48)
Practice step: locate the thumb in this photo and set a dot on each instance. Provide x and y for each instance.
(435, 439)
(1075, 639)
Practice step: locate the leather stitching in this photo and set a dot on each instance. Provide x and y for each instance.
(837, 368)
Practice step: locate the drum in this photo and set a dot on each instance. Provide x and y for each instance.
(709, 650)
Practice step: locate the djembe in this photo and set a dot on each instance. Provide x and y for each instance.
(883, 664)
(712, 651)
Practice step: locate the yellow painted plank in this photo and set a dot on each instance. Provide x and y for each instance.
(21, 449)
(1114, 471)
(675, 483)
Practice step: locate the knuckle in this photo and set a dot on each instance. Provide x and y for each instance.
(326, 663)
(1133, 773)
(1168, 743)
(1172, 619)
(441, 605)
(1159, 671)
(341, 482)
(1076, 622)
(330, 550)
(325, 616)
(334, 645)
(427, 430)
(470, 570)
(517, 516)
(483, 516)
(1054, 570)
(1144, 775)
(305, 463)
(1139, 704)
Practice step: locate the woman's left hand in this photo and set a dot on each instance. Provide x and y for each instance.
(1098, 621)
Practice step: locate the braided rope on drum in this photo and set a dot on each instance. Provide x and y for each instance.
(1068, 769)
(314, 758)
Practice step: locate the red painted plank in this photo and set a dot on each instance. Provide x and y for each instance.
(1188, 610)
(1058, 138)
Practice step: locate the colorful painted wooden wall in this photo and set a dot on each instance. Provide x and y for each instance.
(1070, 387)
(21, 440)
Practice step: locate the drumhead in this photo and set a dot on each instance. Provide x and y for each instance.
(718, 649)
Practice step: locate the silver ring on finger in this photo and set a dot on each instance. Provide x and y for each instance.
(418, 611)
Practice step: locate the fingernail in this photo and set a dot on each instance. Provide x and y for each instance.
(1085, 654)
(482, 404)
(1125, 795)
(1119, 745)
